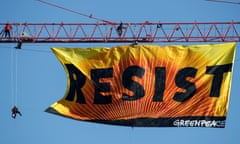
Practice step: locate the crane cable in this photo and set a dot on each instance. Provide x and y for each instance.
(12, 82)
(224, 1)
(66, 9)
(14, 78)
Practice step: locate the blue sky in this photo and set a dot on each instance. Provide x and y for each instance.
(39, 79)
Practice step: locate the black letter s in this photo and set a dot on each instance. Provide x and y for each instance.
(132, 85)
(181, 82)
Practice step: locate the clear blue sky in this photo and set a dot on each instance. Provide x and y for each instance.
(41, 80)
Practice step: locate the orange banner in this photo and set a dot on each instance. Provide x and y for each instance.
(147, 85)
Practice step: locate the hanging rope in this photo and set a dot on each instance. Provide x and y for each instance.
(11, 81)
(16, 76)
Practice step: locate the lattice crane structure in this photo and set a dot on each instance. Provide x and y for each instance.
(106, 32)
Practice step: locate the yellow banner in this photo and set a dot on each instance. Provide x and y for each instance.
(147, 85)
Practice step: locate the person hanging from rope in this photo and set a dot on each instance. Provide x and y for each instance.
(7, 30)
(15, 111)
(19, 44)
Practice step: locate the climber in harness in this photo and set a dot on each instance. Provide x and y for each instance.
(15, 111)
(7, 30)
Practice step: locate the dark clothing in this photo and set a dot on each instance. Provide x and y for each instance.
(7, 34)
(19, 44)
(119, 29)
(15, 111)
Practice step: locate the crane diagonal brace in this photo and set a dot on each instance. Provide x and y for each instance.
(130, 32)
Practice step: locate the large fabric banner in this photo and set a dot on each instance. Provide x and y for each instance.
(147, 85)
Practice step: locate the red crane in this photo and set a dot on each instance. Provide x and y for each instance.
(105, 31)
(132, 32)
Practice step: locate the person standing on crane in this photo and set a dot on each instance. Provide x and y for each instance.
(120, 29)
(15, 111)
(7, 30)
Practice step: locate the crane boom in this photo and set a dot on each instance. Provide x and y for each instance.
(224, 1)
(131, 32)
(72, 11)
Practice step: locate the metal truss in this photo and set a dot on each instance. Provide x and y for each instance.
(131, 32)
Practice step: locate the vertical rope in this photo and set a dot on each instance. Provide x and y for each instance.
(11, 80)
(16, 76)
(132, 136)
